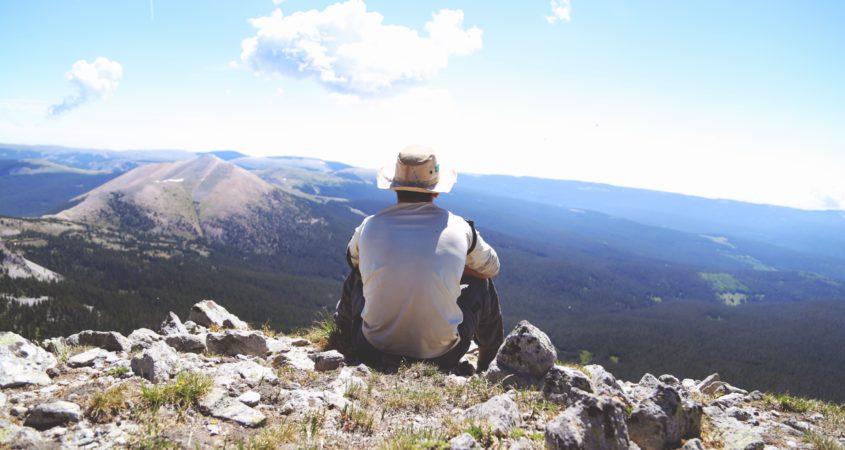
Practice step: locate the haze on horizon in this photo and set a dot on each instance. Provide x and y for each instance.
(719, 99)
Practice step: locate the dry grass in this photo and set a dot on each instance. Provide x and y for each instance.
(107, 404)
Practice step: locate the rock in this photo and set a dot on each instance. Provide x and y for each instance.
(218, 404)
(108, 340)
(604, 383)
(329, 360)
(142, 338)
(16, 437)
(157, 363)
(738, 413)
(733, 434)
(187, 343)
(2, 400)
(249, 372)
(52, 414)
(710, 385)
(463, 441)
(663, 419)
(87, 358)
(565, 385)
(301, 400)
(192, 327)
(18, 411)
(693, 444)
(22, 363)
(527, 350)
(594, 423)
(522, 443)
(297, 359)
(208, 313)
(670, 380)
(300, 342)
(755, 396)
(648, 380)
(250, 398)
(236, 342)
(799, 425)
(54, 345)
(726, 401)
(172, 325)
(500, 412)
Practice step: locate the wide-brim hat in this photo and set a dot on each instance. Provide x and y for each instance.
(416, 169)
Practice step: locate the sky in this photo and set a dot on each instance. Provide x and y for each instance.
(728, 99)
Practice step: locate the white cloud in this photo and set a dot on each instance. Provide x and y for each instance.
(349, 50)
(561, 11)
(93, 81)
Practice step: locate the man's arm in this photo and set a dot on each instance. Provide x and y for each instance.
(482, 262)
(352, 254)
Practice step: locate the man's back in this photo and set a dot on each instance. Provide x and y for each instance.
(411, 259)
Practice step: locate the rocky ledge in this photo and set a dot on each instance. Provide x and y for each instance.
(212, 382)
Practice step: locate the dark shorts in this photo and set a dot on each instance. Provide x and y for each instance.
(482, 323)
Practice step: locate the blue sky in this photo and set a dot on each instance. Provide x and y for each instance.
(741, 100)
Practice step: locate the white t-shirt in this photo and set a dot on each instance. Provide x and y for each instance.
(411, 257)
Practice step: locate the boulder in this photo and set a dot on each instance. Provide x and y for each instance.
(604, 383)
(237, 342)
(52, 414)
(710, 385)
(187, 343)
(594, 423)
(329, 360)
(527, 350)
(726, 401)
(565, 385)
(172, 325)
(733, 434)
(217, 403)
(15, 437)
(208, 313)
(663, 419)
(108, 340)
(463, 441)
(142, 338)
(88, 357)
(22, 363)
(500, 412)
(157, 363)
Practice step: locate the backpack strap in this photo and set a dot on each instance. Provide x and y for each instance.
(474, 236)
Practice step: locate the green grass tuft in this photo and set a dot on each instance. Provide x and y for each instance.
(183, 392)
(104, 405)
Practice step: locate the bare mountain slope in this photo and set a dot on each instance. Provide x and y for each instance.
(203, 197)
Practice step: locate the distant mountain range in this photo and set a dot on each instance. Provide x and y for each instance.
(628, 276)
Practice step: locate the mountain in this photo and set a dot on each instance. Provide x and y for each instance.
(204, 197)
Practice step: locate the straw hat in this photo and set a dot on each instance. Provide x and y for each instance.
(416, 169)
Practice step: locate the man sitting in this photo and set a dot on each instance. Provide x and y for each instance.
(420, 288)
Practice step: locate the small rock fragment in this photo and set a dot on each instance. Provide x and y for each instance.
(500, 412)
(208, 313)
(250, 398)
(463, 441)
(329, 360)
(52, 414)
